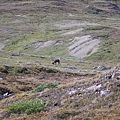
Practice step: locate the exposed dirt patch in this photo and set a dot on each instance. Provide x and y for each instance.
(49, 43)
(73, 32)
(83, 46)
(69, 23)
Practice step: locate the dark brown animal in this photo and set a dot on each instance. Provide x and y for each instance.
(56, 61)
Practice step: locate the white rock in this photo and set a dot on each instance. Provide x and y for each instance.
(1, 78)
(6, 94)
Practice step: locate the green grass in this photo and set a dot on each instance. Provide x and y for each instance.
(43, 86)
(55, 50)
(105, 35)
(109, 50)
(96, 27)
(28, 106)
(22, 43)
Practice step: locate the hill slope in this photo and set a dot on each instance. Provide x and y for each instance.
(85, 35)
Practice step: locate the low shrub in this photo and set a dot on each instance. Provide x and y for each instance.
(28, 106)
(43, 86)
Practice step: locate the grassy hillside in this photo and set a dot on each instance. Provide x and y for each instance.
(85, 35)
(27, 29)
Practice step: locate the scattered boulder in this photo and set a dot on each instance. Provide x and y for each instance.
(102, 67)
(4, 93)
(104, 92)
(15, 54)
(94, 87)
(71, 67)
(118, 57)
(1, 78)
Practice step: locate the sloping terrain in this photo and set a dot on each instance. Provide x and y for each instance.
(84, 46)
(28, 29)
(84, 35)
(75, 95)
